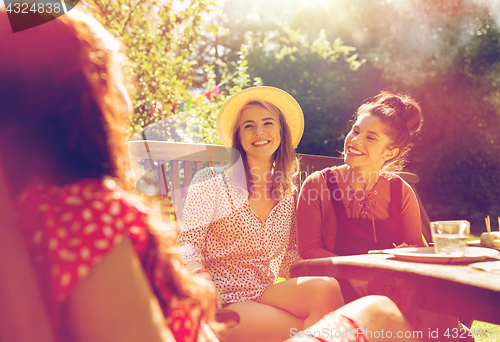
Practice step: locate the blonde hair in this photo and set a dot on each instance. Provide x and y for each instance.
(285, 161)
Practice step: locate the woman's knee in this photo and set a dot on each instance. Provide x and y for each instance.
(261, 322)
(380, 306)
(324, 290)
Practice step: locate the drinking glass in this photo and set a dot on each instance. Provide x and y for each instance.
(450, 237)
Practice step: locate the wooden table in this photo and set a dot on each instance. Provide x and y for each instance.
(455, 290)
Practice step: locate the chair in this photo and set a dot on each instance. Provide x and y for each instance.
(413, 179)
(310, 163)
(167, 168)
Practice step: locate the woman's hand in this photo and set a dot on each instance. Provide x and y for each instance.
(198, 270)
(218, 301)
(207, 276)
(360, 286)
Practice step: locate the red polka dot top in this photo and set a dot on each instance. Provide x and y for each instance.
(69, 230)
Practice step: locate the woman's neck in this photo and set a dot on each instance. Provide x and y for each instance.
(260, 173)
(360, 178)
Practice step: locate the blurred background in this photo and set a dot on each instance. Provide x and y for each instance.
(186, 57)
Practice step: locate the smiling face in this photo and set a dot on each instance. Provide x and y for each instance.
(259, 132)
(366, 146)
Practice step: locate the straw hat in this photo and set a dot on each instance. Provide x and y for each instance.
(228, 114)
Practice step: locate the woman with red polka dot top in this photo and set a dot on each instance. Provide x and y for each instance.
(103, 274)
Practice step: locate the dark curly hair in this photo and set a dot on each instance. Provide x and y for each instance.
(403, 118)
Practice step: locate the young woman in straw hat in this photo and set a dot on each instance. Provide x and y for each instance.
(243, 237)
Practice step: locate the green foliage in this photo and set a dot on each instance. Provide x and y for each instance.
(319, 74)
(172, 49)
(198, 124)
(485, 332)
(236, 82)
(457, 155)
(446, 54)
(160, 37)
(458, 152)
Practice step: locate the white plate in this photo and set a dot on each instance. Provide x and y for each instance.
(426, 254)
(477, 243)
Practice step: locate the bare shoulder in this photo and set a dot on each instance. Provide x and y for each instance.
(99, 307)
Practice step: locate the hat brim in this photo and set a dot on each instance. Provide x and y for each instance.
(228, 114)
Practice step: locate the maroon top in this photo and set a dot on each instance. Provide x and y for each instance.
(357, 235)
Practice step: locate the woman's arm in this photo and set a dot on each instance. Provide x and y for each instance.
(199, 213)
(22, 313)
(291, 253)
(310, 218)
(115, 303)
(193, 266)
(412, 228)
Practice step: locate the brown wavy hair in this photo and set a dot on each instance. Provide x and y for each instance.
(61, 111)
(403, 119)
(285, 161)
(63, 116)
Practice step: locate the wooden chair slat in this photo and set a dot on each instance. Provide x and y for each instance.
(175, 192)
(186, 165)
(160, 170)
(178, 151)
(310, 163)
(188, 176)
(148, 164)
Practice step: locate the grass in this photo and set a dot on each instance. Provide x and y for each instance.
(473, 237)
(485, 332)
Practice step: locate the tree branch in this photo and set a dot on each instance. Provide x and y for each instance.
(130, 14)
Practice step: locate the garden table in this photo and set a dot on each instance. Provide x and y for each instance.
(455, 290)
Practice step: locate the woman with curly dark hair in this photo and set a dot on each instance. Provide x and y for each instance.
(362, 205)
